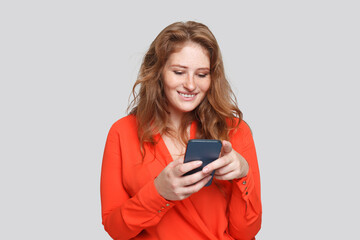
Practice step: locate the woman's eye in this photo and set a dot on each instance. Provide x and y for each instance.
(202, 75)
(178, 72)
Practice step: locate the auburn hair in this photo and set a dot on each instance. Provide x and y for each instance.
(216, 115)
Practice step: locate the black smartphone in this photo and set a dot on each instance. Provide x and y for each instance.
(206, 150)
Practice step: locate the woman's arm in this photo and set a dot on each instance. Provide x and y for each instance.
(124, 217)
(238, 163)
(245, 209)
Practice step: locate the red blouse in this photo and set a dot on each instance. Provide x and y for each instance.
(133, 209)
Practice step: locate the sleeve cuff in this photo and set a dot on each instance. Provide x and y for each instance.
(245, 184)
(152, 200)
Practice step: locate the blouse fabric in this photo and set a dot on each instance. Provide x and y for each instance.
(133, 209)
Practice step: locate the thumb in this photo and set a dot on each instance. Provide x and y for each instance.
(226, 147)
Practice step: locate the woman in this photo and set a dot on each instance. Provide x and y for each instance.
(183, 95)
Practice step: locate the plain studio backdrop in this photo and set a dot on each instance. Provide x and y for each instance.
(67, 69)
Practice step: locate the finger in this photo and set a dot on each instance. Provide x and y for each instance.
(228, 176)
(218, 163)
(193, 178)
(180, 160)
(224, 170)
(174, 163)
(227, 147)
(197, 186)
(183, 168)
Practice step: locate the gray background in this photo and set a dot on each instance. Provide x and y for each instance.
(67, 68)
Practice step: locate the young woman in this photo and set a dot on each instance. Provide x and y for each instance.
(183, 94)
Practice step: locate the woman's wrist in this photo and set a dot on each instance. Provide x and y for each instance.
(244, 168)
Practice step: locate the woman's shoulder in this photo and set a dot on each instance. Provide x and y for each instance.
(125, 124)
(241, 136)
(239, 126)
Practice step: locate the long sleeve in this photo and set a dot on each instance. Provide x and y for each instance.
(245, 209)
(125, 216)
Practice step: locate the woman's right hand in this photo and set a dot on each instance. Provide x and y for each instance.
(172, 185)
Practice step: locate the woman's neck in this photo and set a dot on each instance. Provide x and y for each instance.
(175, 121)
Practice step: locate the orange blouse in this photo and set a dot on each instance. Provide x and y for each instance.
(133, 209)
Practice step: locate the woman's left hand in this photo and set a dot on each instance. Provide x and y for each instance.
(231, 165)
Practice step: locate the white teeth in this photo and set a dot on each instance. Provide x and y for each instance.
(187, 95)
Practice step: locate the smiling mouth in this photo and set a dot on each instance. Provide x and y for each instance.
(187, 95)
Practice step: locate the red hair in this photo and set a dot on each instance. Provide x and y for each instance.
(149, 105)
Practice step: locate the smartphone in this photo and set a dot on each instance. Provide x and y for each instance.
(206, 150)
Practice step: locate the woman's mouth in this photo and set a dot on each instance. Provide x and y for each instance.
(187, 95)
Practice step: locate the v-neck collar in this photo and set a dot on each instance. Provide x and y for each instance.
(193, 128)
(162, 152)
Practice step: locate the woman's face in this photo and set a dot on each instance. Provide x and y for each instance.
(186, 78)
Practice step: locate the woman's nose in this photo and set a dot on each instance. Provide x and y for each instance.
(190, 83)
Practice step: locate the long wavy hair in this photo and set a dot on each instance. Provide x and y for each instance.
(216, 115)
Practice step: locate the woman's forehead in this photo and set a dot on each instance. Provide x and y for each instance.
(190, 55)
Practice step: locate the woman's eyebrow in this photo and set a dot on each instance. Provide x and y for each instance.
(185, 67)
(178, 65)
